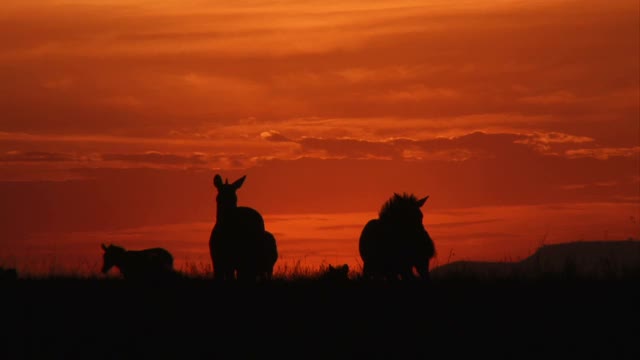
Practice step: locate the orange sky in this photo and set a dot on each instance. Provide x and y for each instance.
(519, 119)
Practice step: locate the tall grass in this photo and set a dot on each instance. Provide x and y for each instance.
(298, 271)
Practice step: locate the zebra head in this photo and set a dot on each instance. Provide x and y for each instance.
(404, 211)
(112, 257)
(227, 198)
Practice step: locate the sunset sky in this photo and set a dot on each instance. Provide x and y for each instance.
(520, 120)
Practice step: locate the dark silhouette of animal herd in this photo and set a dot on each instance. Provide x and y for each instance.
(395, 246)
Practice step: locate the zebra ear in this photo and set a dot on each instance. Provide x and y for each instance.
(422, 201)
(104, 247)
(236, 184)
(217, 181)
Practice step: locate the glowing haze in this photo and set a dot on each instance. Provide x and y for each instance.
(519, 119)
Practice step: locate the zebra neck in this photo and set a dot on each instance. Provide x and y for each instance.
(224, 214)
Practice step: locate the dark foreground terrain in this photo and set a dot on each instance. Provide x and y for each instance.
(196, 318)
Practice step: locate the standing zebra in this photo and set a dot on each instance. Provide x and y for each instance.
(239, 245)
(396, 243)
(138, 264)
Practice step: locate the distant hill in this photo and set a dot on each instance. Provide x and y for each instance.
(600, 259)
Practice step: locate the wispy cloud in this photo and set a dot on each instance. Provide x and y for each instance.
(367, 66)
(275, 136)
(557, 97)
(245, 147)
(34, 156)
(158, 157)
(603, 153)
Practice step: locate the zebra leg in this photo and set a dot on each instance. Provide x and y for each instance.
(217, 271)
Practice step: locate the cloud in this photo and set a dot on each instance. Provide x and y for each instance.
(156, 157)
(552, 143)
(35, 156)
(419, 92)
(457, 224)
(351, 148)
(274, 136)
(467, 146)
(315, 83)
(555, 137)
(411, 52)
(503, 235)
(604, 183)
(380, 75)
(603, 153)
(477, 144)
(340, 227)
(558, 97)
(236, 146)
(391, 148)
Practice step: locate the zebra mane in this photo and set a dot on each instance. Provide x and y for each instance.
(397, 204)
(112, 247)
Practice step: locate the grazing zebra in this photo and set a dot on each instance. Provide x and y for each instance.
(396, 243)
(239, 245)
(138, 264)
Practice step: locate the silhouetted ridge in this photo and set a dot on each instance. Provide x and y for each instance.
(579, 258)
(585, 256)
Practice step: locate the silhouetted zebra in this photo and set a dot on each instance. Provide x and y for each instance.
(138, 264)
(396, 243)
(240, 246)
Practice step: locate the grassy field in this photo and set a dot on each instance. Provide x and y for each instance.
(300, 316)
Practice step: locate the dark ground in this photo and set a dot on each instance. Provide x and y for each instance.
(195, 318)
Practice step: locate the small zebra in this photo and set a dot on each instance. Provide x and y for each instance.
(138, 264)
